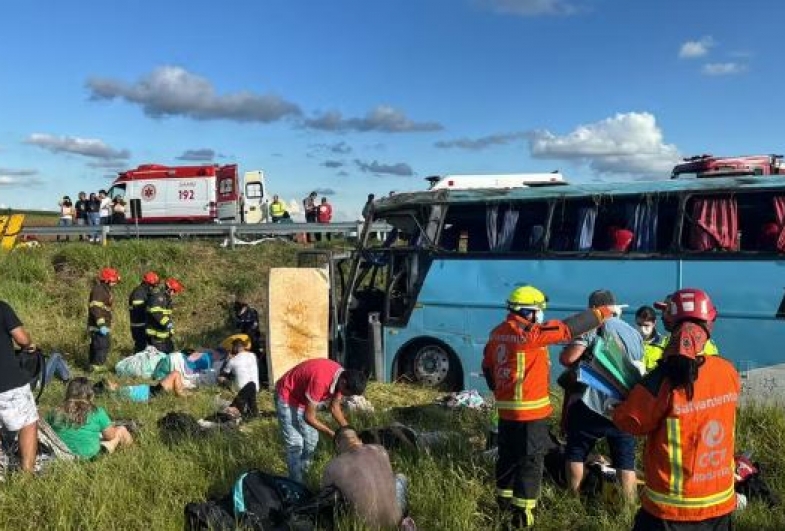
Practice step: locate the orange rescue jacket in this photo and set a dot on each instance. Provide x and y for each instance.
(516, 356)
(688, 457)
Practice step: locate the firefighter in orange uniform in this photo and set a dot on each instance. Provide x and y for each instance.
(686, 408)
(516, 366)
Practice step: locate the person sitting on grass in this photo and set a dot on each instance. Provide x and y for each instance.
(85, 428)
(243, 371)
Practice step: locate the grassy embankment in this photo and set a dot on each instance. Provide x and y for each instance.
(146, 487)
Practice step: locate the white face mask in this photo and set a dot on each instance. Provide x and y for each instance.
(646, 330)
(539, 317)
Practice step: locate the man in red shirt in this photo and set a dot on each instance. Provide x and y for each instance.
(324, 215)
(297, 395)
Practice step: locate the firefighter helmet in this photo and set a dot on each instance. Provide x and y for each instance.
(174, 285)
(688, 304)
(151, 278)
(109, 274)
(526, 297)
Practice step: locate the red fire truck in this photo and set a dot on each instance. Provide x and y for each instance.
(191, 194)
(711, 166)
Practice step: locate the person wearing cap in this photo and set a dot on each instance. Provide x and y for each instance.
(686, 409)
(516, 366)
(585, 407)
(298, 393)
(137, 308)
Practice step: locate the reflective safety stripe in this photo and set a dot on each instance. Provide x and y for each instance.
(100, 321)
(520, 371)
(524, 503)
(165, 320)
(159, 309)
(504, 493)
(156, 333)
(689, 503)
(676, 482)
(97, 304)
(138, 325)
(137, 302)
(520, 405)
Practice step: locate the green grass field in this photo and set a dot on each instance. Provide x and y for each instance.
(147, 486)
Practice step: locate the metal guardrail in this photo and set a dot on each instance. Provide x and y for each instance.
(233, 232)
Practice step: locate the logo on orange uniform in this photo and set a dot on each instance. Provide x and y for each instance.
(148, 192)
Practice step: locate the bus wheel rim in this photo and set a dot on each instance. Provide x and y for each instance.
(431, 365)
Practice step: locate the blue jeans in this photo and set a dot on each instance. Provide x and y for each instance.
(94, 219)
(299, 439)
(56, 366)
(401, 495)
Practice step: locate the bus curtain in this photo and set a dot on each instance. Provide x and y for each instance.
(714, 224)
(779, 210)
(500, 238)
(587, 217)
(642, 220)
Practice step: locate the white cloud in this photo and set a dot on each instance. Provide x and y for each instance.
(87, 147)
(530, 8)
(627, 143)
(724, 69)
(699, 48)
(174, 91)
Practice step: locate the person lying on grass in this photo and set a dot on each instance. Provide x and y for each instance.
(172, 383)
(84, 427)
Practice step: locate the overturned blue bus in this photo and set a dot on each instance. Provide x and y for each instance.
(420, 303)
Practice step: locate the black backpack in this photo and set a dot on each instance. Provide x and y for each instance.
(264, 502)
(33, 365)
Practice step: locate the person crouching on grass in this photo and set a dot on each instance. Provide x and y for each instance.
(297, 395)
(84, 427)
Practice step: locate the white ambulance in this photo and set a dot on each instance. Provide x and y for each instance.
(154, 193)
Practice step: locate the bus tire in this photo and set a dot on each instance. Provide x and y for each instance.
(431, 363)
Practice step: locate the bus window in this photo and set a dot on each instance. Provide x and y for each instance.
(465, 229)
(530, 229)
(711, 223)
(572, 226)
(636, 224)
(761, 220)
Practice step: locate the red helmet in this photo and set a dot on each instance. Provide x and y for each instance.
(687, 304)
(174, 285)
(151, 278)
(109, 274)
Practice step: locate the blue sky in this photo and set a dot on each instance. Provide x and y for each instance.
(354, 97)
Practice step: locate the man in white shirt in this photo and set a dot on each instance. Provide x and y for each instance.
(106, 207)
(243, 369)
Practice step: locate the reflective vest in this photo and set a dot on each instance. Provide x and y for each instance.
(159, 315)
(277, 209)
(516, 356)
(99, 309)
(688, 457)
(653, 350)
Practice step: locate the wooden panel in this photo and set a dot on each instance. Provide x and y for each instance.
(10, 231)
(297, 318)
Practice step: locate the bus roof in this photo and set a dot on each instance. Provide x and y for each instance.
(579, 190)
(505, 180)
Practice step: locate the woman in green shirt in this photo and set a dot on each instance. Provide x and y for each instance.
(83, 426)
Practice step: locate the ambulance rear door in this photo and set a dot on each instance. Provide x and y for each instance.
(255, 208)
(228, 193)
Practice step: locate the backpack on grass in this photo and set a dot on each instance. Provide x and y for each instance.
(264, 502)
